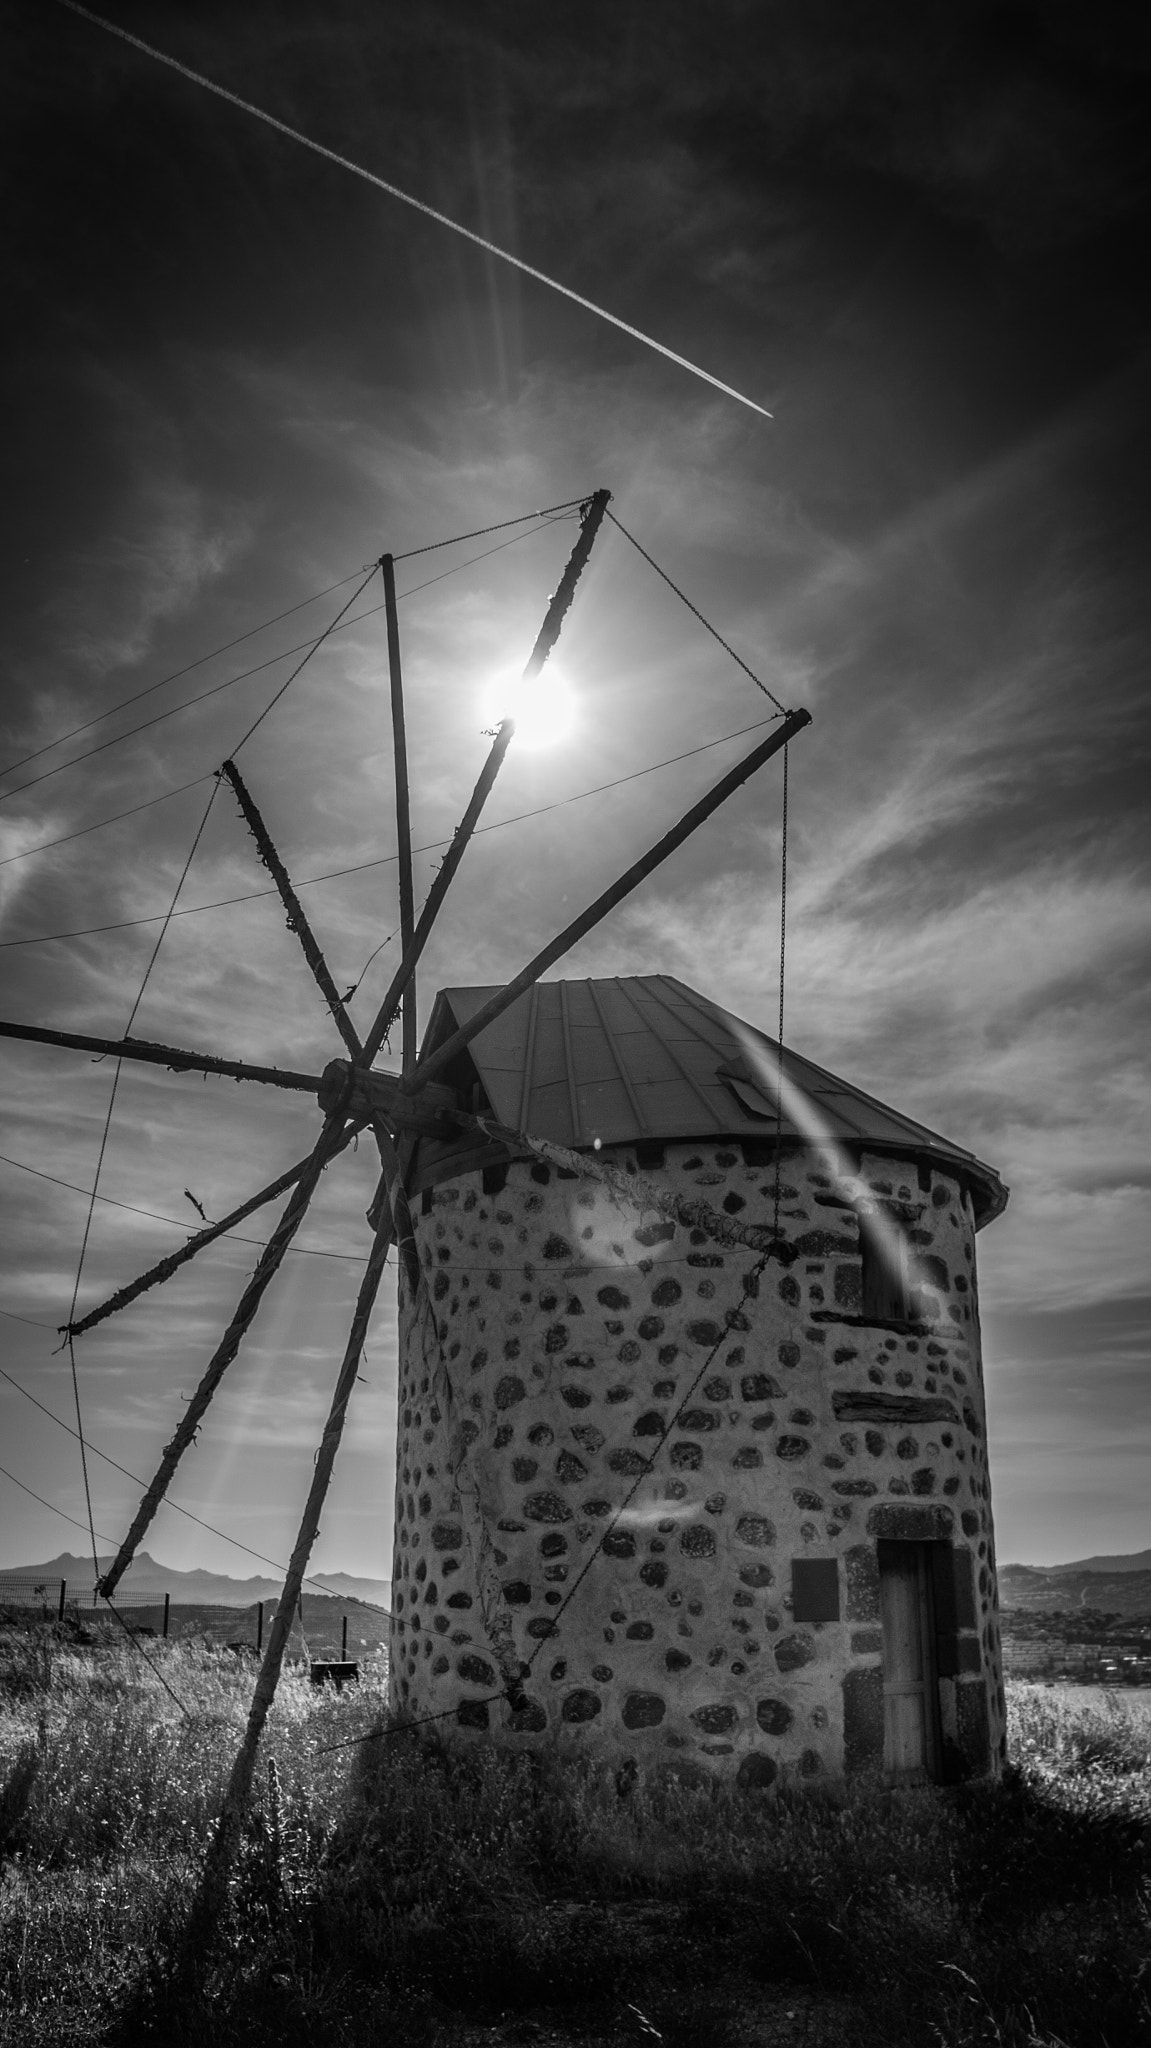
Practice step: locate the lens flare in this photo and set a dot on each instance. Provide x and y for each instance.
(543, 706)
(604, 1229)
(892, 1249)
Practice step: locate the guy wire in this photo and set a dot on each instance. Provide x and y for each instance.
(96, 1178)
(696, 613)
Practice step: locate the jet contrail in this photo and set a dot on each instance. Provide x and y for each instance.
(394, 192)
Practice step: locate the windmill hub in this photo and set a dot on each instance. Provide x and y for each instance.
(365, 1095)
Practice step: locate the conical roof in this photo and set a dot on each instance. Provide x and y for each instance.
(644, 1057)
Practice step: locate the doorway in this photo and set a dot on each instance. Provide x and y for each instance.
(911, 1744)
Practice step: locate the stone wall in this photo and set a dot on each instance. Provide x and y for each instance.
(573, 1332)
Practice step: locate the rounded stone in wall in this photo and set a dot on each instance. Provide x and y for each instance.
(629, 1464)
(757, 1772)
(643, 1710)
(756, 1575)
(530, 1719)
(791, 1447)
(687, 1457)
(792, 1652)
(546, 1507)
(476, 1670)
(717, 1718)
(705, 1333)
(581, 1706)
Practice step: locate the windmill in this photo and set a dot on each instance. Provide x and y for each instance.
(354, 1095)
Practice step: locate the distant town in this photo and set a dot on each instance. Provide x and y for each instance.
(1086, 1646)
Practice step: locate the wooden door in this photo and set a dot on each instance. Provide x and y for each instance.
(910, 1703)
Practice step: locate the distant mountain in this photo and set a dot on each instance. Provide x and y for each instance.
(377, 1592)
(1135, 1561)
(1125, 1588)
(146, 1577)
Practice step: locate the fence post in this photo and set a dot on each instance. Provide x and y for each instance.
(167, 1607)
(259, 1626)
(63, 1590)
(344, 1643)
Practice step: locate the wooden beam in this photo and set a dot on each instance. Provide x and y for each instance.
(439, 889)
(225, 1841)
(591, 517)
(403, 813)
(327, 1145)
(595, 912)
(175, 1056)
(164, 1269)
(297, 916)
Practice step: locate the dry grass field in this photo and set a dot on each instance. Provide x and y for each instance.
(387, 1893)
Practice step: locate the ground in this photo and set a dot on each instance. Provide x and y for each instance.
(388, 1890)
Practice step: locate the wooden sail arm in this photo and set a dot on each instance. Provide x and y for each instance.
(403, 804)
(372, 1094)
(297, 916)
(178, 1057)
(327, 1145)
(591, 518)
(435, 1062)
(164, 1268)
(225, 1842)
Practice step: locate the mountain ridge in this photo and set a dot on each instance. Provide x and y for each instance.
(147, 1577)
(1129, 1561)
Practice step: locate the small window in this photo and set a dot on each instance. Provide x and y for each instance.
(814, 1589)
(886, 1290)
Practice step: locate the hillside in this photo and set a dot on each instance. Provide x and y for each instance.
(1135, 1561)
(1042, 1590)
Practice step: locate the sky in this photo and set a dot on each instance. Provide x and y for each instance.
(235, 373)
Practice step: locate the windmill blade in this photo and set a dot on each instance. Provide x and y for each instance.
(297, 916)
(403, 807)
(226, 1838)
(591, 516)
(164, 1268)
(331, 1138)
(595, 912)
(442, 882)
(177, 1057)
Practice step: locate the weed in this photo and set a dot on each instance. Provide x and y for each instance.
(404, 1890)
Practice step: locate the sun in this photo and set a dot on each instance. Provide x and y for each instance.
(544, 707)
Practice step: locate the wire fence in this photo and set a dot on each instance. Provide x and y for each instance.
(326, 1628)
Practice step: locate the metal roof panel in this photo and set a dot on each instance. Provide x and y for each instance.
(642, 1056)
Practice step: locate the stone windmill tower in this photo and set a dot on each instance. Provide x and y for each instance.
(710, 1508)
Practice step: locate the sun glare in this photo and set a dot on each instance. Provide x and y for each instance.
(544, 708)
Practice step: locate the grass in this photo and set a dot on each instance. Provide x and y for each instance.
(389, 1892)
